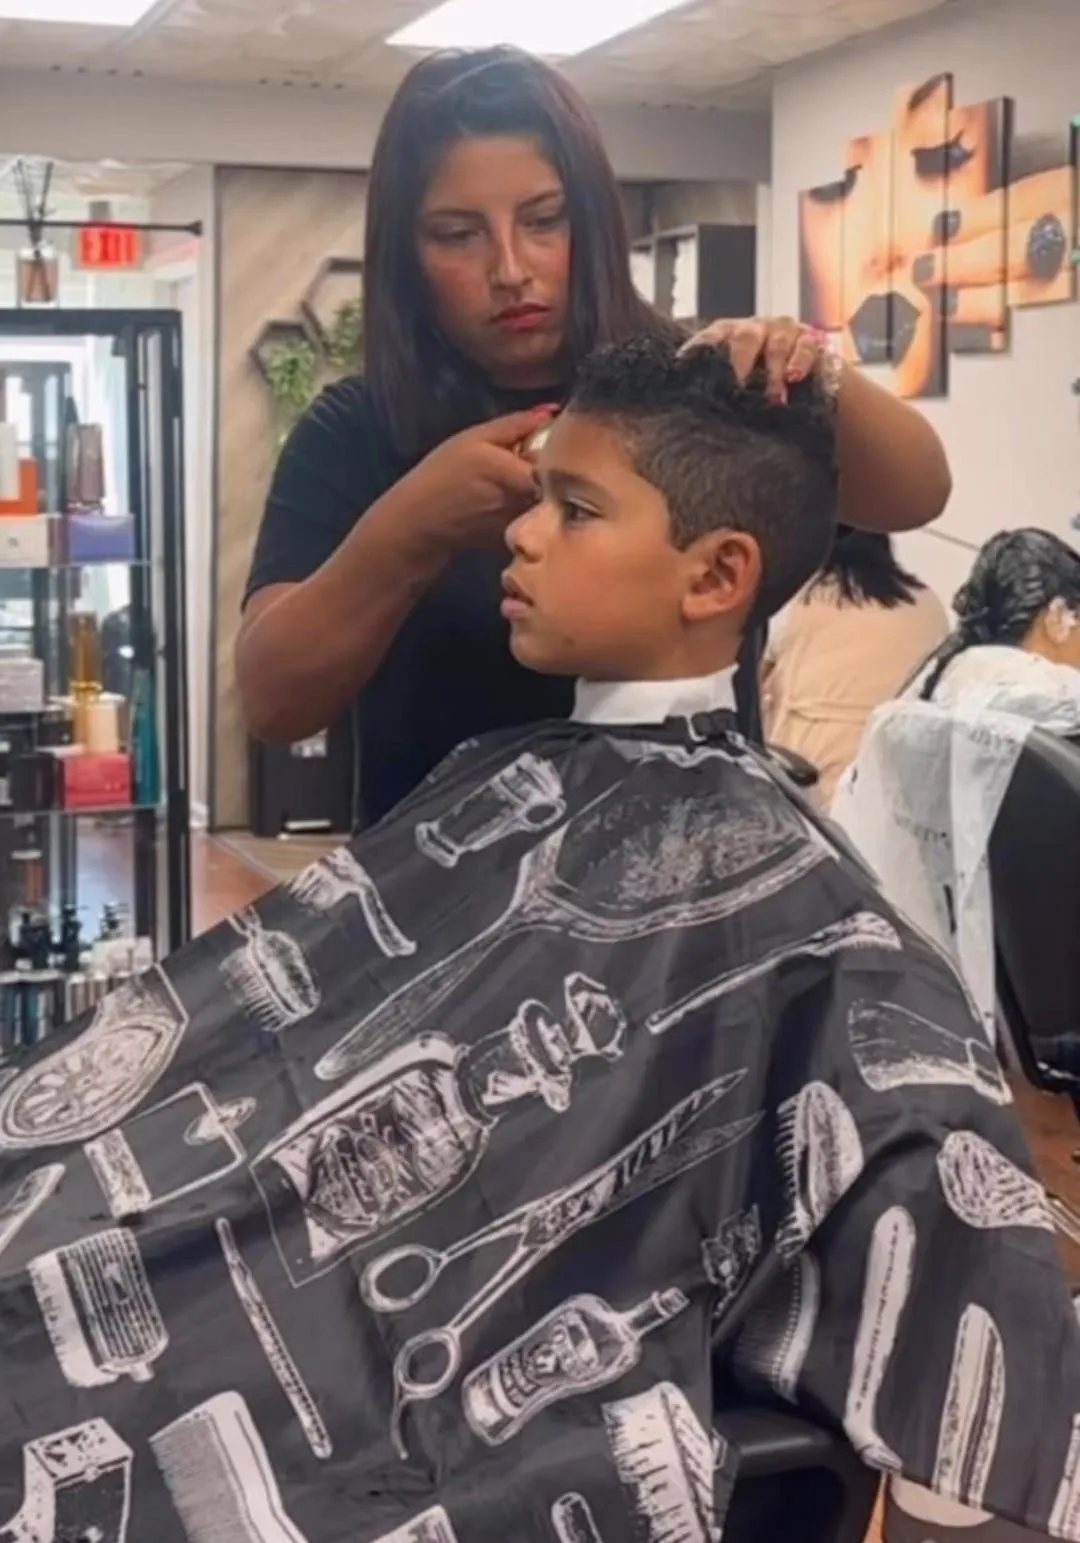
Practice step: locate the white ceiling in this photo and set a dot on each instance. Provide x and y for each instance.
(714, 52)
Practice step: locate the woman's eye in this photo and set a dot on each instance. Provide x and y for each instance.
(836, 192)
(452, 237)
(551, 221)
(933, 162)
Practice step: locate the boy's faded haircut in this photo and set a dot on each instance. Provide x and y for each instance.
(723, 455)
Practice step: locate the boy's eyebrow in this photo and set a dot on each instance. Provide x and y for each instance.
(571, 485)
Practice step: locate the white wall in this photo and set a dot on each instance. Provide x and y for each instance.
(1010, 424)
(91, 117)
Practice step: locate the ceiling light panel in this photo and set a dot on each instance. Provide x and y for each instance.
(555, 28)
(77, 13)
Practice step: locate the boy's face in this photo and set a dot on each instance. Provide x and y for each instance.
(597, 588)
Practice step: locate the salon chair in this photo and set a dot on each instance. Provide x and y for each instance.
(796, 1483)
(1035, 883)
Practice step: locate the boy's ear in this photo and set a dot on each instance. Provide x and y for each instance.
(724, 576)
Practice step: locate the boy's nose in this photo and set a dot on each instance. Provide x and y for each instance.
(524, 535)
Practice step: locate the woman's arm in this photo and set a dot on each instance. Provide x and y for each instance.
(893, 471)
(305, 650)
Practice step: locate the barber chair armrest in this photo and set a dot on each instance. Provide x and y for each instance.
(800, 771)
(772, 1441)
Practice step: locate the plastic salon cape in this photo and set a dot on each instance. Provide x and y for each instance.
(407, 1205)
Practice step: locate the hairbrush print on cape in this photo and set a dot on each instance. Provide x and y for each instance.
(450, 1193)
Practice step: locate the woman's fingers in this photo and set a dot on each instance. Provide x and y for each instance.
(513, 428)
(788, 349)
(979, 307)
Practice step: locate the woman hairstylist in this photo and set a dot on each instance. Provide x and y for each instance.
(497, 257)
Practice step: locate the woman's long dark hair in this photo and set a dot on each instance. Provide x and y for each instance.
(1014, 578)
(862, 569)
(422, 387)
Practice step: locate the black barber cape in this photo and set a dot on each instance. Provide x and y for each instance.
(446, 1194)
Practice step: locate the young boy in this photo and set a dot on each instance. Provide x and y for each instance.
(449, 1192)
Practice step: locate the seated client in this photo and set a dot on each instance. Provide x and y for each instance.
(451, 1193)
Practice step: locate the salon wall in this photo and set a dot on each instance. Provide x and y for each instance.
(1009, 420)
(274, 230)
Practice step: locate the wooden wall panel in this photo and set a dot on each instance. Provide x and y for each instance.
(274, 229)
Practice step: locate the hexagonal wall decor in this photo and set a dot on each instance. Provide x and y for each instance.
(272, 336)
(337, 283)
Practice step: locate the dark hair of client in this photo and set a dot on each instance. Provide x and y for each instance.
(861, 569)
(1012, 581)
(722, 454)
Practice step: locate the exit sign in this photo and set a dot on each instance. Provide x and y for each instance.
(109, 248)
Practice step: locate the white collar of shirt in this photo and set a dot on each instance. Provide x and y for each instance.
(653, 701)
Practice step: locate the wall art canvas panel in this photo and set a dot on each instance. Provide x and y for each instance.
(920, 233)
(938, 228)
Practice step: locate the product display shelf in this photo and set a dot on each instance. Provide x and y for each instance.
(94, 841)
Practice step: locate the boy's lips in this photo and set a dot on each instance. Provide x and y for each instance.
(515, 601)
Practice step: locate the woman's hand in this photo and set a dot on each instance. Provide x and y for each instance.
(470, 488)
(789, 349)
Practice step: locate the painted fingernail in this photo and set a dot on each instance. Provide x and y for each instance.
(945, 227)
(922, 269)
(1047, 248)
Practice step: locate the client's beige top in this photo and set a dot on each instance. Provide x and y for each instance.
(829, 665)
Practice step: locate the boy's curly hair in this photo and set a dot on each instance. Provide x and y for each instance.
(721, 453)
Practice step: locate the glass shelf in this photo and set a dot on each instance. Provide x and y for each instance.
(105, 811)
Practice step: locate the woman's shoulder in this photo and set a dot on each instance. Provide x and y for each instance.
(343, 408)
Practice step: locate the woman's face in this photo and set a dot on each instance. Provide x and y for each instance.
(493, 238)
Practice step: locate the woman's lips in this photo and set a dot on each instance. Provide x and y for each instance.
(526, 318)
(883, 328)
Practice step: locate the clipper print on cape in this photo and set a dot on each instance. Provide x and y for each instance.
(463, 1188)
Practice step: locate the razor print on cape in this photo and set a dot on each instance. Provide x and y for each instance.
(98, 1077)
(973, 1410)
(76, 1484)
(665, 1461)
(863, 930)
(890, 1270)
(573, 1521)
(219, 1477)
(525, 797)
(821, 1155)
(169, 1151)
(583, 1345)
(273, 1345)
(269, 974)
(26, 1198)
(896, 1048)
(401, 1138)
(427, 1364)
(99, 1309)
(680, 865)
(984, 1189)
(341, 876)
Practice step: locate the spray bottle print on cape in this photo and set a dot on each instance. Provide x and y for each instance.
(682, 1114)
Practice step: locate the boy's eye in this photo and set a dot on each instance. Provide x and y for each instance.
(576, 514)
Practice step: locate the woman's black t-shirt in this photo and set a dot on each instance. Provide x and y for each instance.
(449, 673)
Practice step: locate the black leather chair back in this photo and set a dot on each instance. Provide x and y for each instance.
(1035, 881)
